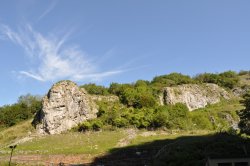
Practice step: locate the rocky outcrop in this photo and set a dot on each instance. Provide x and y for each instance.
(193, 95)
(241, 91)
(65, 106)
(109, 98)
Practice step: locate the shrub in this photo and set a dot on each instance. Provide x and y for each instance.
(200, 120)
(161, 118)
(228, 79)
(95, 89)
(138, 96)
(171, 80)
(12, 114)
(85, 126)
(121, 122)
(244, 72)
(96, 124)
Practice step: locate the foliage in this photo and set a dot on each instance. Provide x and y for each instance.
(95, 125)
(228, 79)
(244, 115)
(136, 95)
(33, 102)
(117, 115)
(10, 115)
(244, 72)
(26, 107)
(95, 89)
(171, 80)
(120, 116)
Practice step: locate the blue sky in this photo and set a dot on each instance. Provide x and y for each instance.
(42, 42)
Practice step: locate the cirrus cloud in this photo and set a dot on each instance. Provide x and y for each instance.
(54, 59)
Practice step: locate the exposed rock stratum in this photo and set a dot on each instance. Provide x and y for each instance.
(193, 95)
(65, 106)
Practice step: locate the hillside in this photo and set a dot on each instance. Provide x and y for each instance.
(85, 147)
(132, 122)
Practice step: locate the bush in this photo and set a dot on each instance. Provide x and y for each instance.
(13, 114)
(200, 120)
(244, 72)
(161, 118)
(24, 109)
(95, 89)
(228, 79)
(96, 124)
(138, 95)
(171, 80)
(178, 116)
(85, 126)
(121, 122)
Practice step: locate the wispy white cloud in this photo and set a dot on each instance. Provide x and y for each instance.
(48, 10)
(54, 59)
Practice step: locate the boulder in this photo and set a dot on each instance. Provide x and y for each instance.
(65, 106)
(194, 95)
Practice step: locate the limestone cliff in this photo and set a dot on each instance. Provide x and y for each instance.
(109, 98)
(64, 107)
(193, 95)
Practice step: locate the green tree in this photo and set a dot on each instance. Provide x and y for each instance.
(95, 89)
(12, 114)
(244, 115)
(25, 108)
(228, 79)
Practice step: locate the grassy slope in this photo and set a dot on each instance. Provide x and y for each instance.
(99, 143)
(72, 143)
(82, 143)
(11, 134)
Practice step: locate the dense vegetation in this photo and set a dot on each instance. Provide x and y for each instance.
(144, 93)
(244, 115)
(138, 107)
(116, 115)
(138, 104)
(24, 109)
(227, 79)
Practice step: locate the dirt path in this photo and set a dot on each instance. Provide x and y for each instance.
(49, 159)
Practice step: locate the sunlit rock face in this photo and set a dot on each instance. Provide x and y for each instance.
(65, 106)
(193, 95)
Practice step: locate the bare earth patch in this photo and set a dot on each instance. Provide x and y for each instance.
(50, 159)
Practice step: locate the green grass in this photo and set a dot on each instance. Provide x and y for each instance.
(72, 143)
(224, 106)
(218, 116)
(11, 134)
(98, 142)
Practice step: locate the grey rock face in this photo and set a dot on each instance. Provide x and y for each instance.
(193, 95)
(65, 106)
(240, 91)
(109, 98)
